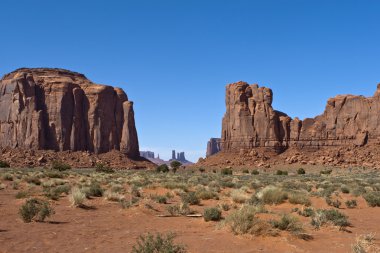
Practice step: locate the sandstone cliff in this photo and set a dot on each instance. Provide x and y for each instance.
(250, 121)
(61, 110)
(213, 146)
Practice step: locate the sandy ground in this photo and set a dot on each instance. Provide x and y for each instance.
(108, 228)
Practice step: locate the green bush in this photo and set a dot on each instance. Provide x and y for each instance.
(93, 190)
(373, 199)
(299, 198)
(272, 195)
(322, 217)
(175, 165)
(54, 174)
(101, 168)
(301, 171)
(160, 199)
(32, 180)
(281, 173)
(162, 168)
(351, 203)
(35, 209)
(245, 171)
(255, 172)
(201, 170)
(8, 177)
(60, 166)
(241, 221)
(55, 192)
(206, 194)
(288, 223)
(190, 198)
(226, 171)
(21, 195)
(345, 189)
(307, 212)
(335, 203)
(326, 171)
(4, 164)
(212, 214)
(157, 244)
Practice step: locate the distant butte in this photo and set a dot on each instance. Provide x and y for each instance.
(57, 109)
(349, 126)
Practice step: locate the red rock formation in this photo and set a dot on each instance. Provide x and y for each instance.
(62, 110)
(250, 121)
(213, 146)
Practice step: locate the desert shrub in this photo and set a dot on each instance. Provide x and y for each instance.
(157, 244)
(373, 199)
(60, 166)
(301, 171)
(239, 196)
(288, 223)
(177, 210)
(4, 164)
(175, 165)
(159, 199)
(225, 206)
(8, 177)
(115, 187)
(212, 214)
(281, 173)
(333, 216)
(32, 180)
(201, 170)
(21, 195)
(54, 174)
(351, 203)
(365, 243)
(307, 212)
(226, 171)
(335, 203)
(55, 192)
(162, 168)
(245, 171)
(113, 196)
(255, 172)
(94, 190)
(77, 197)
(206, 194)
(35, 209)
(272, 195)
(344, 189)
(190, 198)
(242, 220)
(326, 171)
(101, 168)
(299, 198)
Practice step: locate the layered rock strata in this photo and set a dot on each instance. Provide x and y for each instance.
(213, 146)
(250, 121)
(56, 109)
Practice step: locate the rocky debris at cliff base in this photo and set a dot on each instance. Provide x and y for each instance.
(21, 158)
(343, 157)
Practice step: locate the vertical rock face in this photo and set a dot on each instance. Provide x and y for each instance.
(62, 110)
(213, 146)
(147, 154)
(250, 121)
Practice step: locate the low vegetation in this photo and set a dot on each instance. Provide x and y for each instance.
(35, 209)
(157, 243)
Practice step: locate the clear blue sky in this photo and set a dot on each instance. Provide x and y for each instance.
(174, 58)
